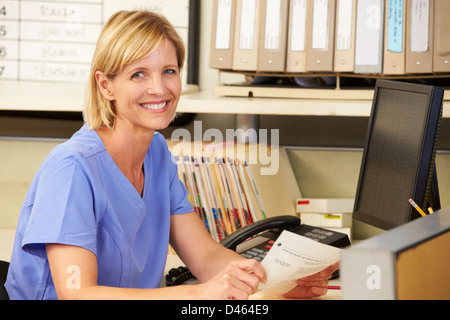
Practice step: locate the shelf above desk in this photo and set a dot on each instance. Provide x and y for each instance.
(47, 96)
(68, 97)
(329, 105)
(41, 96)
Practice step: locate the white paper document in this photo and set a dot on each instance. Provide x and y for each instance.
(294, 257)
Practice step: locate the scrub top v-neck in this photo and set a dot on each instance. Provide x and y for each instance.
(80, 197)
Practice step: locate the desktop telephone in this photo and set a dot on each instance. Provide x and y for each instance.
(254, 241)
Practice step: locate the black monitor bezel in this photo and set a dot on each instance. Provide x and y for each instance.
(425, 164)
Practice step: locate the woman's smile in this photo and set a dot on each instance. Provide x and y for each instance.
(152, 84)
(157, 107)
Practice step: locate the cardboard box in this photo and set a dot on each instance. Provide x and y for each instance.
(305, 205)
(336, 220)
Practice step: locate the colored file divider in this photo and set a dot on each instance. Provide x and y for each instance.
(222, 192)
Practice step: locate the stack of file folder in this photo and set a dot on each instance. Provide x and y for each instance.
(222, 191)
(382, 37)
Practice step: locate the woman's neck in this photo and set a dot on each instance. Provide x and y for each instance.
(128, 150)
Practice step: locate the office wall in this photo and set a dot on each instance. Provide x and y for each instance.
(20, 158)
(320, 173)
(334, 173)
(19, 161)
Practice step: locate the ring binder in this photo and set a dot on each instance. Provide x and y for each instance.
(394, 37)
(222, 36)
(441, 59)
(272, 47)
(320, 50)
(419, 36)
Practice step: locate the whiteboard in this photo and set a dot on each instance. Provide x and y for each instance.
(53, 41)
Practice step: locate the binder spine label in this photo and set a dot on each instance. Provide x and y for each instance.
(344, 26)
(320, 25)
(420, 24)
(298, 26)
(273, 25)
(248, 19)
(395, 34)
(223, 31)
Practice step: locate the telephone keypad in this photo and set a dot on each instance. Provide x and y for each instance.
(254, 253)
(314, 233)
(259, 252)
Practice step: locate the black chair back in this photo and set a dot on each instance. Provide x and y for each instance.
(3, 272)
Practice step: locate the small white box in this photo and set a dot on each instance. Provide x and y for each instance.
(325, 205)
(336, 220)
(346, 230)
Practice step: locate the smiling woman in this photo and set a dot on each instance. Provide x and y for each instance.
(103, 206)
(125, 40)
(152, 84)
(113, 183)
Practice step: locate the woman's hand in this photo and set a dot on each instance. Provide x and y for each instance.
(238, 280)
(314, 285)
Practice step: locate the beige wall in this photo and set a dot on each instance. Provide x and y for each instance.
(320, 173)
(335, 173)
(19, 161)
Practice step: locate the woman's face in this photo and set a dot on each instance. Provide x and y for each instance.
(146, 93)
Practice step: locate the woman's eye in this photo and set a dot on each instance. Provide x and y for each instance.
(137, 75)
(170, 71)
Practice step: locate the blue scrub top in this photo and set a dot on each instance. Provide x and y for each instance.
(80, 197)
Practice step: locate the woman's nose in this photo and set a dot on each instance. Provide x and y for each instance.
(155, 86)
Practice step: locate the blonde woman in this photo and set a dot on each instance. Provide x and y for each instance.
(103, 207)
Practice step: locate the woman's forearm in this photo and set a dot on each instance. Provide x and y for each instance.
(187, 292)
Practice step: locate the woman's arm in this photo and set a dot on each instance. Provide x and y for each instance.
(204, 256)
(74, 269)
(222, 272)
(74, 272)
(207, 260)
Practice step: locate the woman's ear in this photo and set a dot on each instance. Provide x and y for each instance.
(103, 83)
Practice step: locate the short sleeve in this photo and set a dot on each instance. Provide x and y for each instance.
(179, 201)
(62, 211)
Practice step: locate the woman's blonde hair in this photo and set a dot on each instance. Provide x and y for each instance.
(127, 37)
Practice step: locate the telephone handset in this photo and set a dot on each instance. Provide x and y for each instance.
(277, 223)
(269, 229)
(255, 240)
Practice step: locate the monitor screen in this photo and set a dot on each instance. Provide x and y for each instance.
(399, 156)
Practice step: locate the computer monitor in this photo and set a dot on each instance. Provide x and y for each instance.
(398, 161)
